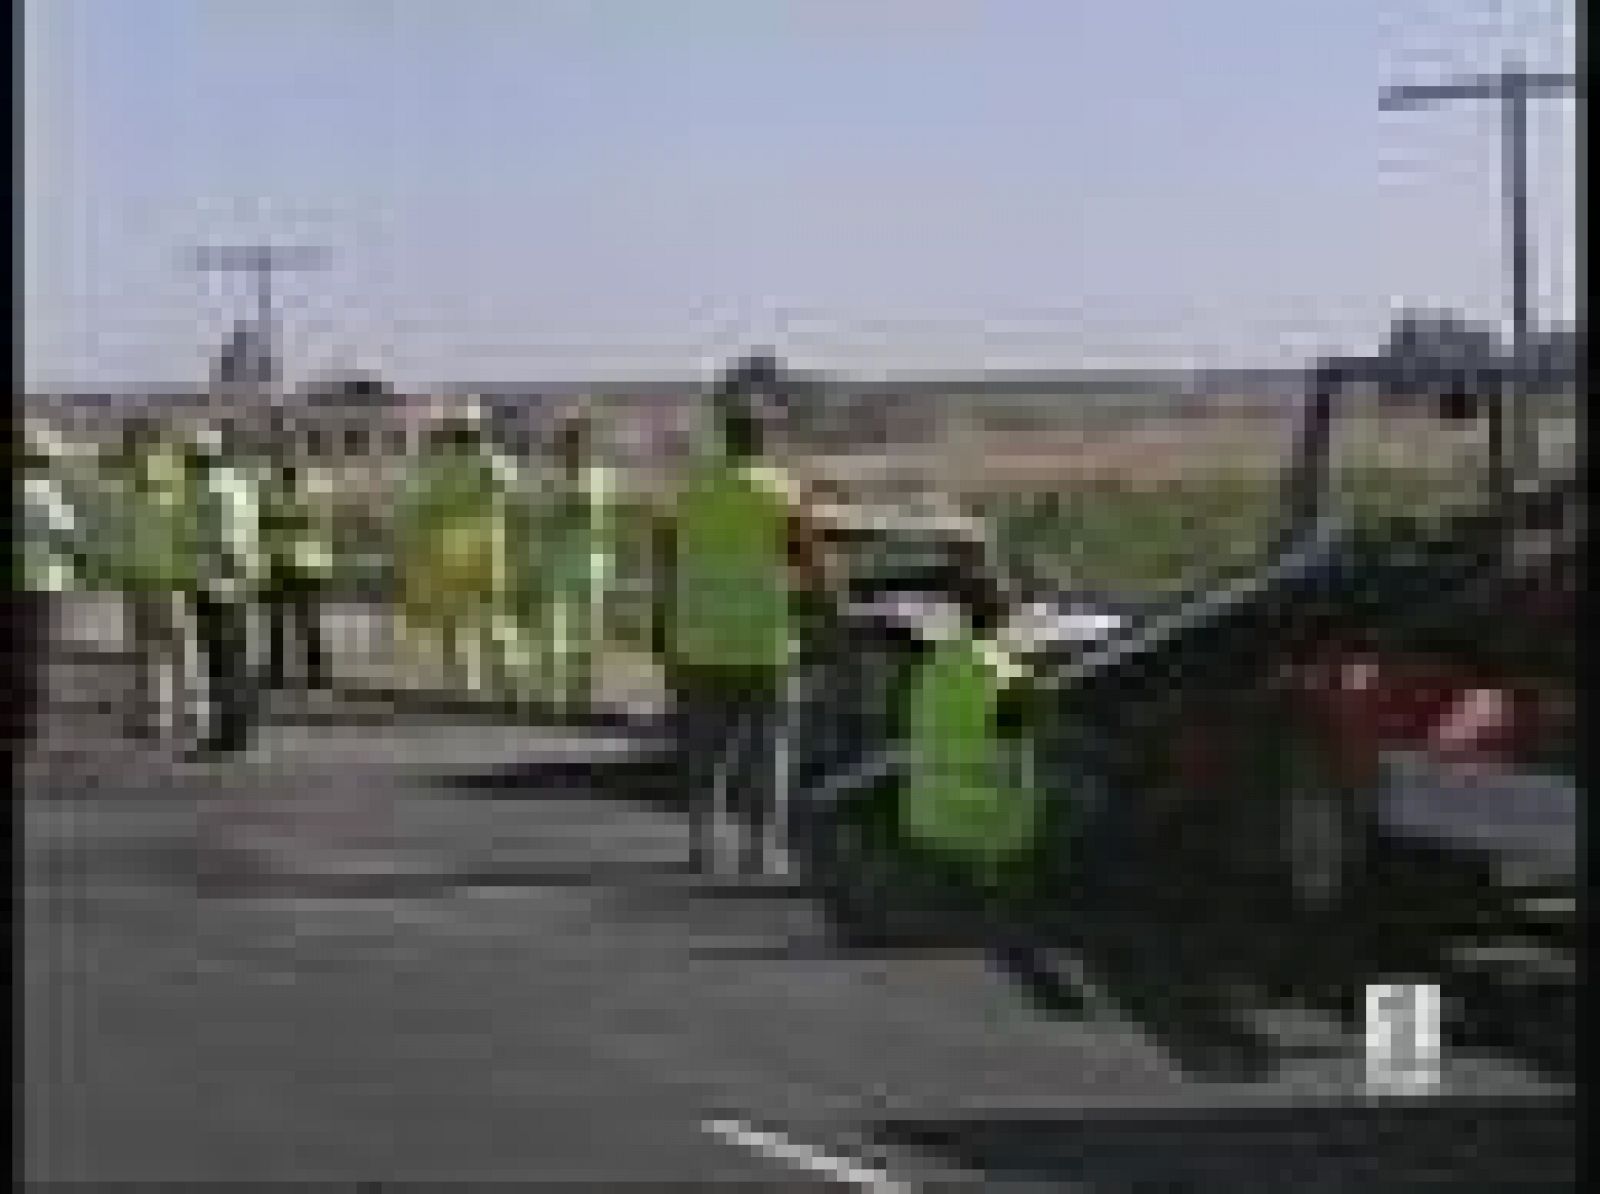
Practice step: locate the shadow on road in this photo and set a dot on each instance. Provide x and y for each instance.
(1455, 1146)
(243, 876)
(635, 769)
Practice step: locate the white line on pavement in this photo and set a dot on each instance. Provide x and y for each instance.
(781, 1148)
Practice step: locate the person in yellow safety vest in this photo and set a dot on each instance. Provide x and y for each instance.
(156, 540)
(300, 565)
(576, 563)
(189, 560)
(971, 795)
(53, 538)
(230, 577)
(453, 553)
(53, 563)
(733, 560)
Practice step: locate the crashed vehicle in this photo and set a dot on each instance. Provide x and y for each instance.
(1353, 763)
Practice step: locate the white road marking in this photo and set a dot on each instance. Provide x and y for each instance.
(781, 1148)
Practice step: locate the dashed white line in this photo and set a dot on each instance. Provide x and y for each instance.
(781, 1148)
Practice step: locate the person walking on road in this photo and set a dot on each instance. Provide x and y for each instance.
(735, 558)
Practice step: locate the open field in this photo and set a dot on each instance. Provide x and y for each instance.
(1143, 502)
(1165, 502)
(1148, 504)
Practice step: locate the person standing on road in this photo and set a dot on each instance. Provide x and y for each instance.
(155, 541)
(453, 551)
(300, 564)
(231, 571)
(577, 553)
(507, 627)
(734, 560)
(52, 565)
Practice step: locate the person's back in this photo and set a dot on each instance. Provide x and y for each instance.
(434, 523)
(730, 596)
(971, 794)
(573, 558)
(447, 508)
(727, 591)
(153, 553)
(159, 525)
(454, 557)
(300, 564)
(741, 561)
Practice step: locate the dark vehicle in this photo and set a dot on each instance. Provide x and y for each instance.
(1354, 763)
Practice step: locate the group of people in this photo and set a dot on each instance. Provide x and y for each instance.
(219, 541)
(746, 585)
(504, 577)
(197, 531)
(506, 570)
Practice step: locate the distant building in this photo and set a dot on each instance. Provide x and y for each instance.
(348, 414)
(351, 428)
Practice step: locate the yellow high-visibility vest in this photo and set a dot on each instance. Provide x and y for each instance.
(731, 604)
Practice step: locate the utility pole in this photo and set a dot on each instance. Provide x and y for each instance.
(1511, 439)
(262, 261)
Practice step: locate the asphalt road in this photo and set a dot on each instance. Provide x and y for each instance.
(419, 951)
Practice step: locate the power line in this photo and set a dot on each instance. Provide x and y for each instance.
(1513, 88)
(261, 261)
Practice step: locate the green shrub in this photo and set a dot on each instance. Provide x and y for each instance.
(1146, 539)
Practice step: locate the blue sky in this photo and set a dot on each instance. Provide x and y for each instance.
(552, 189)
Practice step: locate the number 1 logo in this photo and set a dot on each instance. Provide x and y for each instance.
(1403, 1037)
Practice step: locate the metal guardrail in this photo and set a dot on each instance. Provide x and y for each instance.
(1145, 637)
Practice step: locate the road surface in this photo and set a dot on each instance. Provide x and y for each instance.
(421, 951)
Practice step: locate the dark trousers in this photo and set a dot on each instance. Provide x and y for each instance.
(156, 631)
(292, 609)
(223, 628)
(727, 733)
(29, 631)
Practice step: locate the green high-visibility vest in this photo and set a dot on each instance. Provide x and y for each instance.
(577, 538)
(970, 791)
(451, 487)
(51, 548)
(294, 538)
(450, 522)
(232, 555)
(161, 524)
(730, 606)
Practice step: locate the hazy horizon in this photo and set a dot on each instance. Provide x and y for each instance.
(554, 193)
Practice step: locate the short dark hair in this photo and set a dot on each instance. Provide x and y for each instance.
(575, 436)
(735, 402)
(742, 433)
(141, 431)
